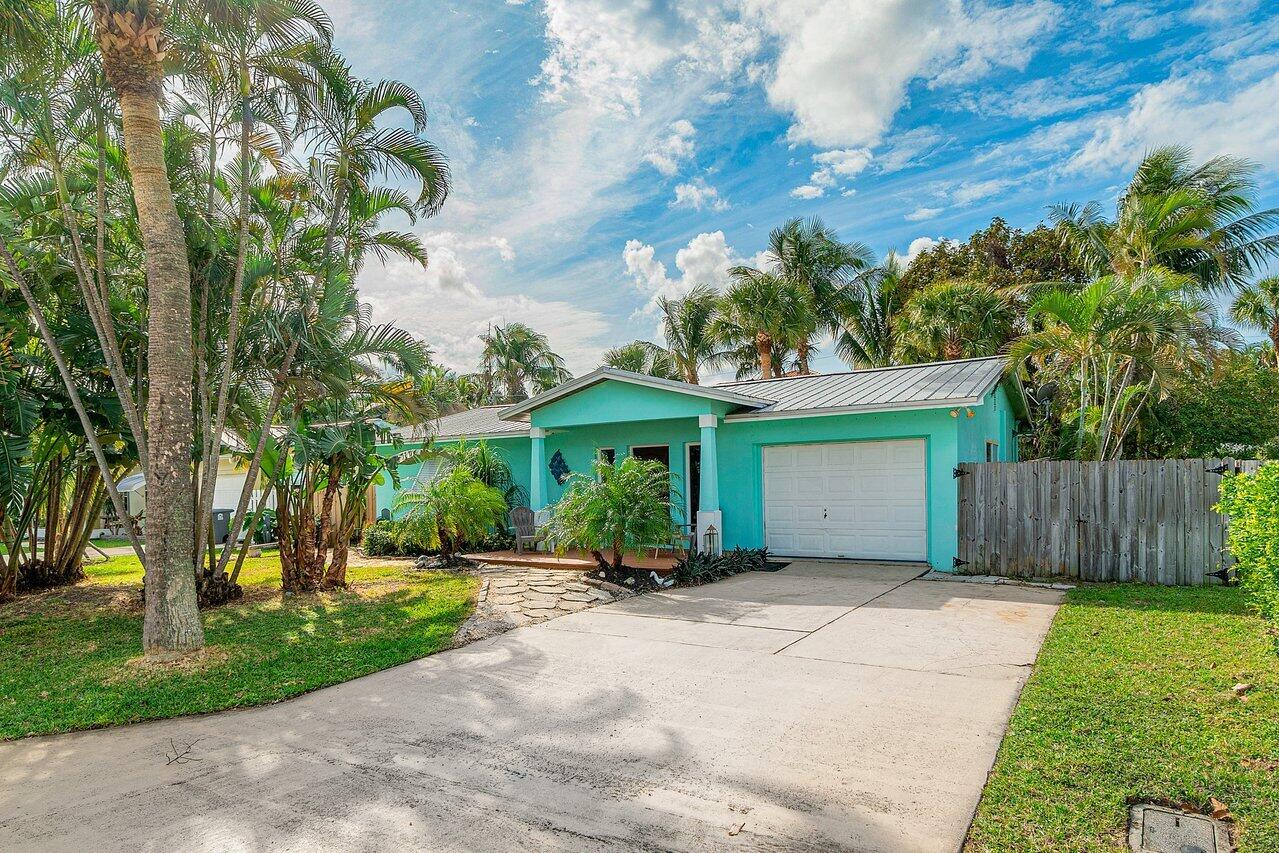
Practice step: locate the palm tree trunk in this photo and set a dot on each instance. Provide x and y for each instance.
(172, 621)
(1274, 339)
(764, 350)
(255, 464)
(233, 328)
(952, 350)
(802, 351)
(326, 520)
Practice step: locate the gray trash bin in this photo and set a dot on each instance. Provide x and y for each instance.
(222, 524)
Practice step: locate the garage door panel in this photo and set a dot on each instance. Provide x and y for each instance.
(847, 499)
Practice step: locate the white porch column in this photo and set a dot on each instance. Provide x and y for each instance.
(537, 475)
(708, 511)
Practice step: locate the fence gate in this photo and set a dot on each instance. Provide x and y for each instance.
(1149, 520)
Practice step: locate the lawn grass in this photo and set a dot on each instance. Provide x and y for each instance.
(1131, 701)
(70, 658)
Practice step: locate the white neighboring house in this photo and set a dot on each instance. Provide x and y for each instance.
(226, 493)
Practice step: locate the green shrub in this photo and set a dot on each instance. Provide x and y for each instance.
(699, 568)
(1252, 502)
(401, 538)
(623, 507)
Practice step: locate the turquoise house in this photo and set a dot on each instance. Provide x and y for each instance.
(856, 465)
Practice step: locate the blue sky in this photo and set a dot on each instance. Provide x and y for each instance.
(606, 152)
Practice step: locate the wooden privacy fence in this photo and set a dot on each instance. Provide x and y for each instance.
(1149, 521)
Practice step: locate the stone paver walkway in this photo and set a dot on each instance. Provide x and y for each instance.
(525, 595)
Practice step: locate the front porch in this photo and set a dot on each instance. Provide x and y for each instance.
(575, 560)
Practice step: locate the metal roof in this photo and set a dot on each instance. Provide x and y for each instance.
(472, 423)
(711, 392)
(911, 386)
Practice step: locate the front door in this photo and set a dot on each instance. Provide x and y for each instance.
(694, 486)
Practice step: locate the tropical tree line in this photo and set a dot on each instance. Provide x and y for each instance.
(1105, 316)
(187, 193)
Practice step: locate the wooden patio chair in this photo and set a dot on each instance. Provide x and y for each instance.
(679, 546)
(524, 525)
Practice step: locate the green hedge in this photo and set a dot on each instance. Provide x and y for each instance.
(402, 538)
(1252, 502)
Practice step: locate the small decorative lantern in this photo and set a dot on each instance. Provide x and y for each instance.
(710, 540)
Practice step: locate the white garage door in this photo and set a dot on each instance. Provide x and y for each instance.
(860, 500)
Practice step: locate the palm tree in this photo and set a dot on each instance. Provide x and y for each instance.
(352, 148)
(1117, 342)
(1196, 220)
(486, 465)
(453, 510)
(521, 359)
(1257, 307)
(954, 319)
(617, 507)
(811, 256)
(686, 325)
(133, 39)
(867, 331)
(762, 312)
(257, 53)
(642, 357)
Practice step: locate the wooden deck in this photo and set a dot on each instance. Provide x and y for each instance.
(574, 560)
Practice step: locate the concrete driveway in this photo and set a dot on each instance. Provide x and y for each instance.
(822, 707)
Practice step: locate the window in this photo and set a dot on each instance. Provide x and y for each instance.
(606, 454)
(992, 451)
(658, 452)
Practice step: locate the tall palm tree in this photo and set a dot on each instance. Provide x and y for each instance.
(258, 52)
(809, 255)
(642, 357)
(522, 360)
(686, 325)
(954, 319)
(133, 38)
(1201, 221)
(761, 312)
(1257, 307)
(1117, 343)
(352, 148)
(866, 337)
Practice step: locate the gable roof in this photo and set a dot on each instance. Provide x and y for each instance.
(472, 423)
(912, 386)
(711, 392)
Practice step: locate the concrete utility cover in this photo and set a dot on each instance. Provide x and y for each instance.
(1155, 829)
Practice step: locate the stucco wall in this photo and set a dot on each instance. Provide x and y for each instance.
(993, 420)
(741, 485)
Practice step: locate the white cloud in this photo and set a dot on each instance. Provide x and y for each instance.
(1048, 96)
(602, 50)
(698, 195)
(674, 148)
(970, 191)
(1221, 11)
(445, 307)
(705, 260)
(909, 148)
(919, 214)
(834, 167)
(918, 245)
(843, 68)
(1196, 109)
(990, 36)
